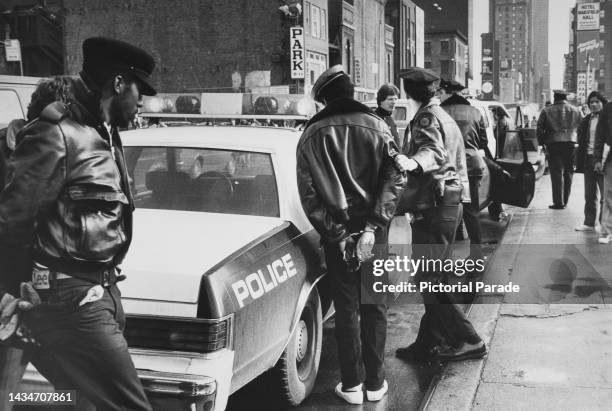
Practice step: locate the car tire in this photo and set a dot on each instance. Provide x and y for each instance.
(296, 370)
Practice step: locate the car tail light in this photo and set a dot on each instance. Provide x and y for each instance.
(192, 335)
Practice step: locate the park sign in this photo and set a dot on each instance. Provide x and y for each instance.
(587, 16)
(296, 46)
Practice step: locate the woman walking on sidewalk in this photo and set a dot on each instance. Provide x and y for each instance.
(593, 181)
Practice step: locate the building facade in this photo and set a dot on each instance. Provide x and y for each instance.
(539, 35)
(407, 19)
(446, 53)
(512, 27)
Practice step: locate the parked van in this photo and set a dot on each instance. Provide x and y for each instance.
(15, 95)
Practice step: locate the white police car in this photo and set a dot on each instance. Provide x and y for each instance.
(224, 272)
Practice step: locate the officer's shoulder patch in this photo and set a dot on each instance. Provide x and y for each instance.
(426, 120)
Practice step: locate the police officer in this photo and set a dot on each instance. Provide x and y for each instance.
(69, 200)
(557, 130)
(471, 123)
(435, 161)
(349, 185)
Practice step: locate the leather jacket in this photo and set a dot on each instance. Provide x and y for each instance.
(473, 129)
(387, 116)
(437, 146)
(68, 195)
(603, 135)
(583, 142)
(346, 171)
(558, 123)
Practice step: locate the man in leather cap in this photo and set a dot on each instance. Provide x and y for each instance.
(348, 185)
(68, 200)
(471, 124)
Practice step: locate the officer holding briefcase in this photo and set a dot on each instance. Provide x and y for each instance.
(437, 174)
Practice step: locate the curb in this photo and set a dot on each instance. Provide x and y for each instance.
(457, 384)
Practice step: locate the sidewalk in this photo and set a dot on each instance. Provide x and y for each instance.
(546, 356)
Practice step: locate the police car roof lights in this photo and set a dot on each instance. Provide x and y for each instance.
(253, 106)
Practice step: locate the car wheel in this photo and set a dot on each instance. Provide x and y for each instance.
(298, 366)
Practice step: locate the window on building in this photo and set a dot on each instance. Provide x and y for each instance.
(601, 44)
(315, 18)
(602, 29)
(444, 47)
(427, 45)
(323, 24)
(445, 69)
(348, 52)
(307, 17)
(388, 79)
(428, 64)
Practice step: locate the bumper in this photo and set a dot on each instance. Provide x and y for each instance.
(172, 380)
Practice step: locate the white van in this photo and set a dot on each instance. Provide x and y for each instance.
(15, 95)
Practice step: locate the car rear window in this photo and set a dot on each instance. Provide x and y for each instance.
(10, 107)
(203, 179)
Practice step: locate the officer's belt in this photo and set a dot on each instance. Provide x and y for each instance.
(105, 277)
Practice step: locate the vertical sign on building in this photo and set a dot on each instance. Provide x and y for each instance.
(296, 42)
(13, 50)
(488, 57)
(581, 87)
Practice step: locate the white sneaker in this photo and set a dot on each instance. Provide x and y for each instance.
(352, 395)
(378, 394)
(607, 239)
(584, 228)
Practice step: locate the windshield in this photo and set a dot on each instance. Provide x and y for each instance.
(202, 179)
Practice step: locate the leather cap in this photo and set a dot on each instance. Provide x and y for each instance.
(561, 92)
(325, 79)
(452, 85)
(418, 75)
(101, 54)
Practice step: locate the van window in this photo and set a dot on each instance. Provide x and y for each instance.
(10, 107)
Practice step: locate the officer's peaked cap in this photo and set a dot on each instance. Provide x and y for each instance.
(561, 92)
(452, 85)
(325, 79)
(418, 75)
(104, 55)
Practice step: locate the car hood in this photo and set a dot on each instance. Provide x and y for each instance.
(171, 250)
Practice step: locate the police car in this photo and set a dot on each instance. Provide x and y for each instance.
(225, 273)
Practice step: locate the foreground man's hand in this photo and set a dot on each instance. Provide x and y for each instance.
(9, 313)
(598, 167)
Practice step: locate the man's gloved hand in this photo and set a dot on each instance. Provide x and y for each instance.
(405, 164)
(9, 313)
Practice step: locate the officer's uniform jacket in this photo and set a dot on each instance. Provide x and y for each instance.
(345, 169)
(558, 123)
(437, 146)
(68, 194)
(471, 123)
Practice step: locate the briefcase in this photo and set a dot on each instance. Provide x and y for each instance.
(518, 190)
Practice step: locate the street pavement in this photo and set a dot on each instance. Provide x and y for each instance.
(409, 383)
(550, 346)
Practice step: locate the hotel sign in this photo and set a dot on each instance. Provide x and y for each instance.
(587, 16)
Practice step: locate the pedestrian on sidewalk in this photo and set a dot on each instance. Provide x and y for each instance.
(557, 131)
(349, 185)
(435, 162)
(473, 130)
(69, 168)
(603, 164)
(386, 97)
(593, 181)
